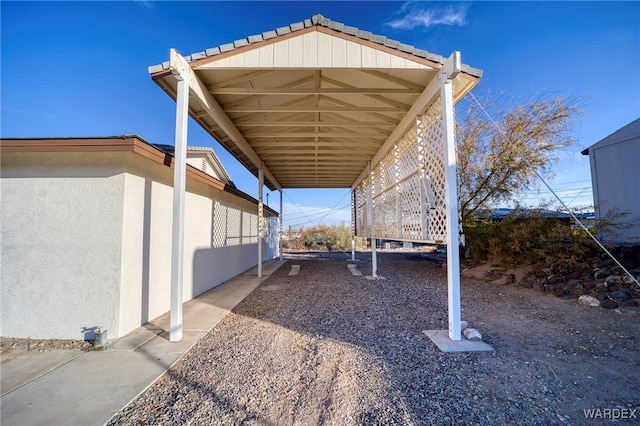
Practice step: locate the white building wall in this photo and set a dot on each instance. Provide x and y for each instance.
(61, 229)
(102, 255)
(615, 178)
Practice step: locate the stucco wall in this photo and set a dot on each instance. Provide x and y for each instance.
(94, 248)
(61, 227)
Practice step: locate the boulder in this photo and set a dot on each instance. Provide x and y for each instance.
(472, 334)
(601, 272)
(587, 300)
(608, 304)
(619, 295)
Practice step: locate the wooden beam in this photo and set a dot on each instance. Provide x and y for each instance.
(424, 100)
(287, 155)
(262, 135)
(393, 79)
(247, 99)
(272, 144)
(267, 109)
(315, 123)
(343, 90)
(240, 79)
(218, 115)
(376, 95)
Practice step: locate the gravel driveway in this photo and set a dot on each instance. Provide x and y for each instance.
(328, 347)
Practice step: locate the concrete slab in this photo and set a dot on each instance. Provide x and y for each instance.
(295, 270)
(372, 278)
(354, 270)
(161, 349)
(20, 366)
(268, 267)
(445, 344)
(87, 391)
(134, 340)
(70, 387)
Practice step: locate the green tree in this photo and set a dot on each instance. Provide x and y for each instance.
(501, 154)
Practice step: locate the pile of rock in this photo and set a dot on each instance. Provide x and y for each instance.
(596, 282)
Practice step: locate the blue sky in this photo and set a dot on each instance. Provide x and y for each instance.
(80, 68)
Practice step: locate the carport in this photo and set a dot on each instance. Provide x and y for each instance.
(320, 104)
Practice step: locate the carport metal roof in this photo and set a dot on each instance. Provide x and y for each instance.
(313, 102)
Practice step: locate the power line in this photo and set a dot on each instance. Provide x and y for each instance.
(575, 218)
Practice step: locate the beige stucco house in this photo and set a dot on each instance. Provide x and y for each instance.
(85, 229)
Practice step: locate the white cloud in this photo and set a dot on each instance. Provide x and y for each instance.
(415, 16)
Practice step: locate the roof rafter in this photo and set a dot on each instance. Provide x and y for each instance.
(206, 100)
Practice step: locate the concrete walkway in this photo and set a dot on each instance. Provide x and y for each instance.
(87, 388)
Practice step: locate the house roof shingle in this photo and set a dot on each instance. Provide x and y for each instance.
(317, 20)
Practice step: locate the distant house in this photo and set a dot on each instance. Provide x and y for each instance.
(615, 175)
(86, 233)
(205, 159)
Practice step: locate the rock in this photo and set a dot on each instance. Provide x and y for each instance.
(632, 303)
(602, 273)
(564, 294)
(472, 334)
(527, 284)
(619, 295)
(587, 300)
(606, 262)
(608, 304)
(627, 279)
(626, 310)
(505, 280)
(613, 280)
(463, 325)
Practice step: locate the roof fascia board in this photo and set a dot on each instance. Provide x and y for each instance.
(117, 144)
(623, 134)
(217, 114)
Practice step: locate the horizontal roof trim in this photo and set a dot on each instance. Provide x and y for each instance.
(317, 20)
(131, 143)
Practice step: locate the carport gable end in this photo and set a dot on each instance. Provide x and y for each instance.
(315, 100)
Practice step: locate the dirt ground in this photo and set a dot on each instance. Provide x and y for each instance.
(327, 347)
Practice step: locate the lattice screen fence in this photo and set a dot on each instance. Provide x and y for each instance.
(403, 198)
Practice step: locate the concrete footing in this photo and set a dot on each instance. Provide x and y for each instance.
(377, 277)
(445, 344)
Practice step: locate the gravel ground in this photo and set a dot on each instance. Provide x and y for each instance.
(327, 347)
(8, 344)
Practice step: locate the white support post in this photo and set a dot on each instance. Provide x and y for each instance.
(374, 258)
(260, 216)
(280, 228)
(396, 175)
(179, 179)
(353, 224)
(372, 228)
(451, 195)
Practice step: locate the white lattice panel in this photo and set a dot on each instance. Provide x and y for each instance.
(433, 178)
(404, 196)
